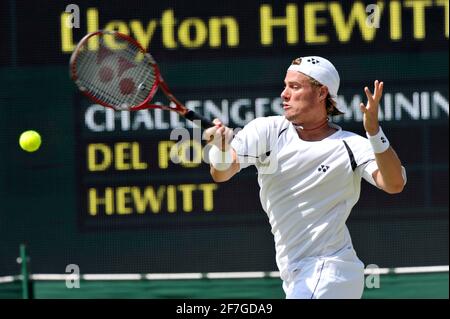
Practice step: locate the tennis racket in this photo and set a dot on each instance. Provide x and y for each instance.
(114, 70)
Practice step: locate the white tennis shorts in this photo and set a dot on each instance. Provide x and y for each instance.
(340, 276)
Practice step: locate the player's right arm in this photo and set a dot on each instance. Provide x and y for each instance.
(221, 136)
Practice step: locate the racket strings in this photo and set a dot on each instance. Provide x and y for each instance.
(121, 78)
(110, 66)
(117, 89)
(90, 78)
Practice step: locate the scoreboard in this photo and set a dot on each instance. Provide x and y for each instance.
(128, 192)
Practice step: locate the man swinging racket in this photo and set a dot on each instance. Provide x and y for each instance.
(309, 172)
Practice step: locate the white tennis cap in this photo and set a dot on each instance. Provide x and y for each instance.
(321, 70)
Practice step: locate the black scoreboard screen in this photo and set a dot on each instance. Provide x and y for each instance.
(117, 191)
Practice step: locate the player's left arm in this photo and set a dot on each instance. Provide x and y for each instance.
(389, 175)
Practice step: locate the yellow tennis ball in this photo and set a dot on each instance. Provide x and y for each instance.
(30, 141)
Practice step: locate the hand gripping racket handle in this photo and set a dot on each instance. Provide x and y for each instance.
(204, 122)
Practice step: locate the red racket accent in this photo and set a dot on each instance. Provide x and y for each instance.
(103, 52)
(114, 70)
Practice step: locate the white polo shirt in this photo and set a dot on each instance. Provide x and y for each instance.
(307, 188)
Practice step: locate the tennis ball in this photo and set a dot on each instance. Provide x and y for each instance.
(30, 141)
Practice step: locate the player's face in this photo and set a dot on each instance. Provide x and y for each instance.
(301, 99)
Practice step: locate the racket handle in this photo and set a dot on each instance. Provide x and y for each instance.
(204, 122)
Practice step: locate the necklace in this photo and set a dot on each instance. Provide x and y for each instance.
(311, 129)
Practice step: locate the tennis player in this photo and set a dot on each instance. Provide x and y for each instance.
(309, 173)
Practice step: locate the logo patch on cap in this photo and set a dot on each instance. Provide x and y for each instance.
(313, 61)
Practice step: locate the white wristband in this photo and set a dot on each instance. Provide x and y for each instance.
(220, 160)
(379, 142)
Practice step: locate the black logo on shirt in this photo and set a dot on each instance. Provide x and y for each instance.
(323, 168)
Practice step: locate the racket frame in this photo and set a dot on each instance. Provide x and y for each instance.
(159, 82)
